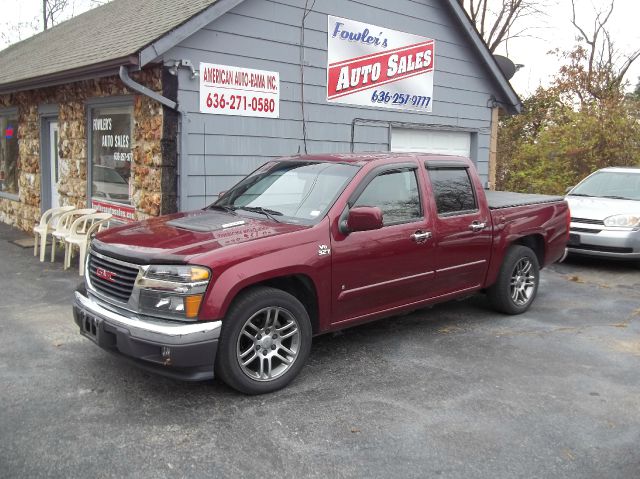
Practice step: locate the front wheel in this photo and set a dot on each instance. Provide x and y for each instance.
(265, 341)
(517, 283)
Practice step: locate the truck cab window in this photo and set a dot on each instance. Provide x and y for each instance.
(396, 194)
(453, 190)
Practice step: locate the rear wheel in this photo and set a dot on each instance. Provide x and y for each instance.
(517, 284)
(265, 341)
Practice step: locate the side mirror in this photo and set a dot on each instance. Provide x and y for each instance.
(364, 218)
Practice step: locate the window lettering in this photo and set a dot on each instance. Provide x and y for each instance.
(111, 154)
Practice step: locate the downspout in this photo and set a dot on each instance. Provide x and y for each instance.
(126, 79)
(143, 90)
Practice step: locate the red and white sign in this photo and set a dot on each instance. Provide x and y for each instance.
(227, 90)
(120, 212)
(373, 66)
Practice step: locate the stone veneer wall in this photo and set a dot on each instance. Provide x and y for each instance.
(154, 157)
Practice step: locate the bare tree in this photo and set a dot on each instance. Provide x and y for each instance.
(605, 65)
(12, 32)
(52, 12)
(51, 9)
(498, 21)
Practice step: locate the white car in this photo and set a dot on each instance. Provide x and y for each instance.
(108, 184)
(605, 214)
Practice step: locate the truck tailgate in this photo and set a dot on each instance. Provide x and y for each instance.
(508, 199)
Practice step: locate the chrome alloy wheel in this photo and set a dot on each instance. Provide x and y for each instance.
(268, 344)
(523, 282)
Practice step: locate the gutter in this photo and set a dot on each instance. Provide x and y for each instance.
(107, 68)
(143, 90)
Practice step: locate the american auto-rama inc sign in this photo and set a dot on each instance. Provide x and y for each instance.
(373, 66)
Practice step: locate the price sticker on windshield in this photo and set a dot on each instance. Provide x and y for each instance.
(228, 90)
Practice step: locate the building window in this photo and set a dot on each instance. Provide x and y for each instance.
(111, 154)
(9, 160)
(453, 191)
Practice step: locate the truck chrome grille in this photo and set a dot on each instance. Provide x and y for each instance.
(112, 278)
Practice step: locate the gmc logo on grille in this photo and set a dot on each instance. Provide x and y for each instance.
(104, 274)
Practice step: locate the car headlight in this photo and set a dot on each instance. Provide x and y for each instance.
(622, 221)
(172, 291)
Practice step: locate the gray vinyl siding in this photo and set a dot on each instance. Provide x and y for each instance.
(265, 35)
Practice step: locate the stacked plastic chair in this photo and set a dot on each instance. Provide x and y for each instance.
(48, 225)
(80, 233)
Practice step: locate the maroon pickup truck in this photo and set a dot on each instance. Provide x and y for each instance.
(306, 245)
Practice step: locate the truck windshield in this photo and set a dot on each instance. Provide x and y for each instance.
(610, 184)
(290, 191)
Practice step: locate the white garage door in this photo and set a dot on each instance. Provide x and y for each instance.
(431, 141)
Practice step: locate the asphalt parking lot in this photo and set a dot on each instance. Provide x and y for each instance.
(456, 391)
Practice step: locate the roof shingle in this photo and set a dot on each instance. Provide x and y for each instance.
(109, 32)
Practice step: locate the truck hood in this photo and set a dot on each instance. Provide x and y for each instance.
(175, 238)
(594, 208)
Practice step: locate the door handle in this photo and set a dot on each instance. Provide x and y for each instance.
(477, 226)
(421, 236)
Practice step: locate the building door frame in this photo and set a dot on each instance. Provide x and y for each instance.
(48, 170)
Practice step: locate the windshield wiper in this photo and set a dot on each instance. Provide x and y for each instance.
(228, 209)
(580, 194)
(271, 214)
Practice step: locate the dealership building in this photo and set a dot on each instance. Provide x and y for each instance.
(143, 108)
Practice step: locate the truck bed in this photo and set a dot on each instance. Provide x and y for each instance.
(508, 199)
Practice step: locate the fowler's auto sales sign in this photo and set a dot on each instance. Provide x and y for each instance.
(374, 66)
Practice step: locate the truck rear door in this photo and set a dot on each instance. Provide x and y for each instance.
(462, 226)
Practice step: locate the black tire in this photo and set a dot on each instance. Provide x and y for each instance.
(272, 344)
(517, 283)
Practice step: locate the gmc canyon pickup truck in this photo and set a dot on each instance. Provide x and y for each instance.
(305, 245)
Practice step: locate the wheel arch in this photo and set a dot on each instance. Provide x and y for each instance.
(535, 242)
(299, 285)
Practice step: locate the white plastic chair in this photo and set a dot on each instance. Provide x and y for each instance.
(80, 235)
(48, 223)
(64, 224)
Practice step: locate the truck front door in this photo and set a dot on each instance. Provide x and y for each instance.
(374, 271)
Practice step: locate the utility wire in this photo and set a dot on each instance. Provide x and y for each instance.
(307, 11)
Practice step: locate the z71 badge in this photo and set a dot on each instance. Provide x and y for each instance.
(323, 250)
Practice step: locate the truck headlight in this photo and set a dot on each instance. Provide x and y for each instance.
(622, 221)
(172, 291)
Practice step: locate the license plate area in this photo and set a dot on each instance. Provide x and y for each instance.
(574, 239)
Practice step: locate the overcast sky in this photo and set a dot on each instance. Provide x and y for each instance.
(17, 11)
(553, 30)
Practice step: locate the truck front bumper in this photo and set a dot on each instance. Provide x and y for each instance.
(184, 351)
